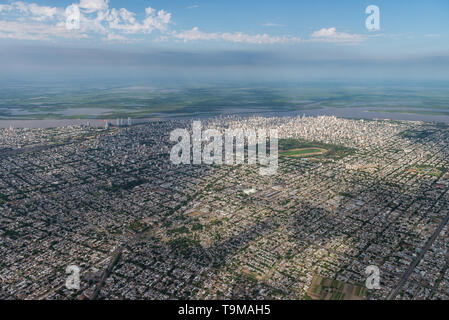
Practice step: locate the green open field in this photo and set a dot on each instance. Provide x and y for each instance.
(303, 152)
(329, 289)
(303, 149)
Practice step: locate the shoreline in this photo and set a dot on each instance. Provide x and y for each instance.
(349, 113)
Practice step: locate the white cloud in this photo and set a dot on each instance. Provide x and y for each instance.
(96, 18)
(195, 34)
(116, 37)
(35, 31)
(153, 20)
(324, 32)
(31, 10)
(127, 16)
(42, 12)
(332, 35)
(22, 20)
(90, 6)
(271, 24)
(124, 21)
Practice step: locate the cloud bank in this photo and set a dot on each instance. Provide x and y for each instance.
(98, 20)
(30, 21)
(195, 34)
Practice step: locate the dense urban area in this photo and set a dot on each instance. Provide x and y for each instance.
(347, 194)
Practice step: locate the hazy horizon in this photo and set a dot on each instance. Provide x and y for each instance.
(224, 41)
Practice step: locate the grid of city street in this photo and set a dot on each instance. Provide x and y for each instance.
(108, 200)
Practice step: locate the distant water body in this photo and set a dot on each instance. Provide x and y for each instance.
(357, 113)
(49, 123)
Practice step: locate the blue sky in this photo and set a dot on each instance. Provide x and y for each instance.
(236, 35)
